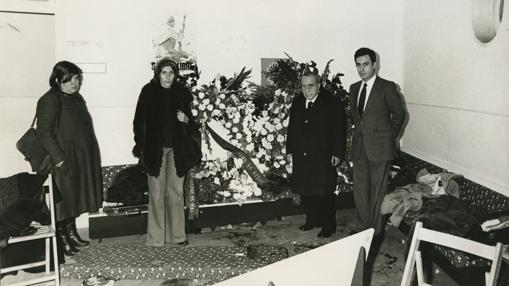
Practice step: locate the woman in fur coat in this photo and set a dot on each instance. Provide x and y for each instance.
(162, 124)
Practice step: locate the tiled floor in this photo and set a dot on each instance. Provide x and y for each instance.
(387, 270)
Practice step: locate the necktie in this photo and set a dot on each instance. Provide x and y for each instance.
(310, 104)
(360, 106)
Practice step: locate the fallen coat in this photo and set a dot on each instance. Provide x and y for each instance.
(65, 130)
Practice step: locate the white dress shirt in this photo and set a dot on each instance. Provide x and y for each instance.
(312, 101)
(369, 83)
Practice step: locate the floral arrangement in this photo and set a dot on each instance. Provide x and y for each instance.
(253, 121)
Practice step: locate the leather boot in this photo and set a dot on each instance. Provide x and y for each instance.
(64, 241)
(73, 233)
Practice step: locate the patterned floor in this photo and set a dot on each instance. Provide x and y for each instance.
(168, 262)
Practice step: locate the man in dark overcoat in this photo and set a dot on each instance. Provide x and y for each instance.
(316, 143)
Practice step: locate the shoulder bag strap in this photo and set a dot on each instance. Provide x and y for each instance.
(57, 121)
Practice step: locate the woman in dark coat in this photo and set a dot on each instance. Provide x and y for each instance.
(162, 130)
(65, 130)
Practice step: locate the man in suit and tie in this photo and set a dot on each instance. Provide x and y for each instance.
(378, 116)
(316, 143)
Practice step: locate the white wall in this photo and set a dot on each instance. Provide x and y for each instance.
(27, 55)
(456, 92)
(230, 34)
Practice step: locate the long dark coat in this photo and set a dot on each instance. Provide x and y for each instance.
(148, 133)
(66, 131)
(314, 136)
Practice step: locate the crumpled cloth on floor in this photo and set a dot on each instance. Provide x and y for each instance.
(409, 197)
(441, 184)
(404, 199)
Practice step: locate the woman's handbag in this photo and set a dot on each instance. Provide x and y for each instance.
(34, 153)
(31, 148)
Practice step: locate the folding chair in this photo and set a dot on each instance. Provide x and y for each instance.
(46, 232)
(493, 253)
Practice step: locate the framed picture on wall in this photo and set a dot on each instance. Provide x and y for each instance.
(28, 6)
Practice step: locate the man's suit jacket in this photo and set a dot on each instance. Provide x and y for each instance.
(314, 136)
(380, 123)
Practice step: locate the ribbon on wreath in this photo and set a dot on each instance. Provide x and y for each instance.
(247, 163)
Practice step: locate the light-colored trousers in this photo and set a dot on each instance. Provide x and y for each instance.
(166, 218)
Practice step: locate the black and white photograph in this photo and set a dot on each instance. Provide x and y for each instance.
(251, 142)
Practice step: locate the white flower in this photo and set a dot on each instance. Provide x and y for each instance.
(257, 191)
(238, 136)
(201, 107)
(210, 107)
(238, 162)
(282, 162)
(265, 113)
(278, 92)
(206, 101)
(222, 96)
(235, 142)
(222, 106)
(194, 112)
(217, 181)
(279, 126)
(283, 150)
(236, 120)
(250, 146)
(263, 131)
(228, 125)
(270, 138)
(288, 168)
(248, 138)
(216, 112)
(224, 193)
(276, 165)
(270, 127)
(285, 123)
(280, 138)
(201, 95)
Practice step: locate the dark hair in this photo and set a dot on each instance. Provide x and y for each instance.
(164, 62)
(63, 72)
(365, 51)
(314, 74)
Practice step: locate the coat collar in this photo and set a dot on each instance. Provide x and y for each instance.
(375, 90)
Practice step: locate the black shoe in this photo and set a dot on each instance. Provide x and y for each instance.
(73, 233)
(183, 243)
(64, 241)
(306, 227)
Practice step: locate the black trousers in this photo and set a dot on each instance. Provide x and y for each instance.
(320, 211)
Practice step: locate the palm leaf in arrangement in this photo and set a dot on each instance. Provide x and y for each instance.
(236, 81)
